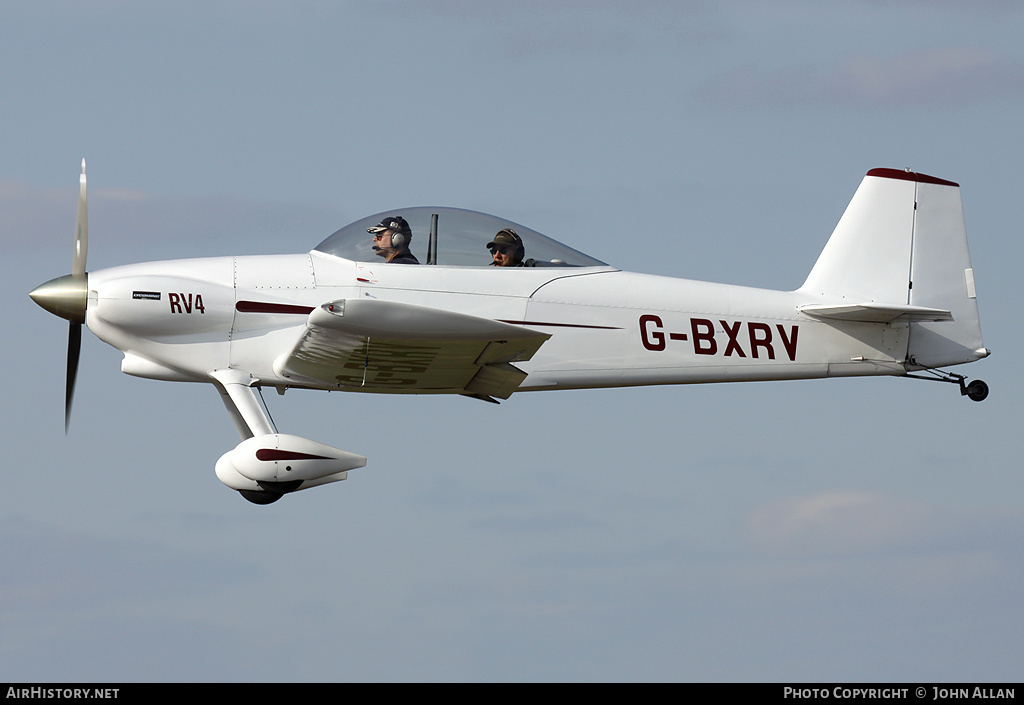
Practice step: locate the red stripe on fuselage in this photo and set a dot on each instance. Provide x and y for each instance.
(262, 307)
(275, 454)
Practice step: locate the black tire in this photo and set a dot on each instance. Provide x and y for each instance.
(977, 390)
(257, 497)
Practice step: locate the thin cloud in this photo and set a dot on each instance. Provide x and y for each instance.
(42, 219)
(60, 570)
(535, 28)
(933, 78)
(839, 523)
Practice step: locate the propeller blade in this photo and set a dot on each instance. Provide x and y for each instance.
(74, 350)
(81, 229)
(68, 297)
(77, 270)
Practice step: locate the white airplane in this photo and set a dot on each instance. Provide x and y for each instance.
(892, 293)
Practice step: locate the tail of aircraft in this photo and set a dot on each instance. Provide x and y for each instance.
(899, 253)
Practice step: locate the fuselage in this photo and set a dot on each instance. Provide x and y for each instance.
(178, 320)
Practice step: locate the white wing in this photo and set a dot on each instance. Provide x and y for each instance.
(381, 346)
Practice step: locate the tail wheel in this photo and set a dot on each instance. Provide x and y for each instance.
(977, 390)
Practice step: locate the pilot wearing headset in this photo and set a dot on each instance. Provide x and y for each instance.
(391, 240)
(507, 249)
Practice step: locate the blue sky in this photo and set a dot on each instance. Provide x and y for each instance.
(830, 530)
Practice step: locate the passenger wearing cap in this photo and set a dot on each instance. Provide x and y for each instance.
(507, 249)
(391, 238)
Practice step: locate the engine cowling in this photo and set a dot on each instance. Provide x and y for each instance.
(279, 462)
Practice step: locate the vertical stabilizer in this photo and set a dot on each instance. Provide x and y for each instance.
(867, 259)
(901, 246)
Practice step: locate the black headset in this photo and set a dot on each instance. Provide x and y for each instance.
(399, 238)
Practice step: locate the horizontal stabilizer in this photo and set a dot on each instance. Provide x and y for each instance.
(876, 313)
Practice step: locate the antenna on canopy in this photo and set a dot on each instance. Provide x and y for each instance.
(432, 244)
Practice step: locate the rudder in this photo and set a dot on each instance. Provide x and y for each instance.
(942, 277)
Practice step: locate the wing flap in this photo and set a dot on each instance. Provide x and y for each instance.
(383, 346)
(496, 380)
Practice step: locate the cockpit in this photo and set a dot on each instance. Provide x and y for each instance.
(454, 237)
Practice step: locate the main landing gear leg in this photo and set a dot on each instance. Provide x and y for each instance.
(975, 391)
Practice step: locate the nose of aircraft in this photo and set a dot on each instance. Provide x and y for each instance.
(65, 296)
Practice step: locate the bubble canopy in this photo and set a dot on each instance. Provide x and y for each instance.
(459, 239)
